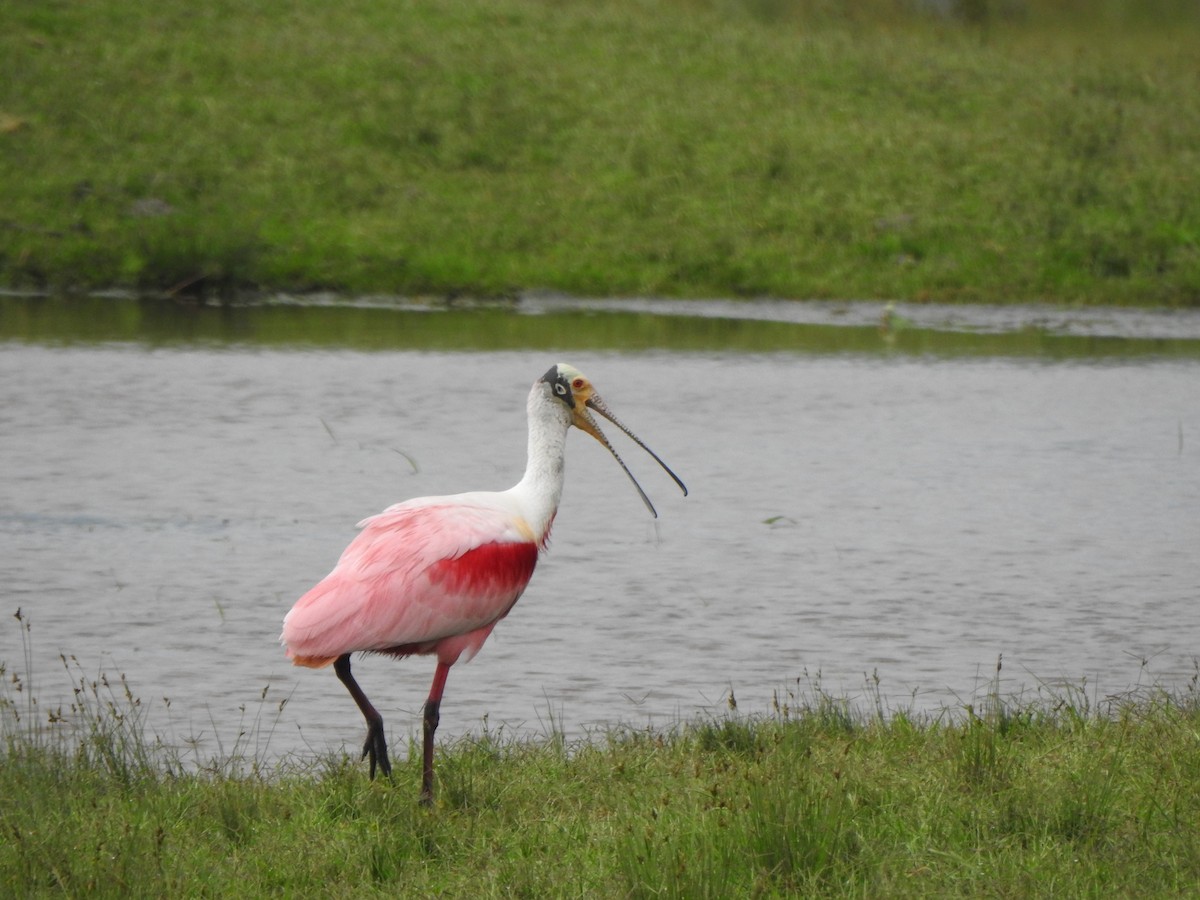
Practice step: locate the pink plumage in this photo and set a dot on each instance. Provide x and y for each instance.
(431, 576)
(434, 575)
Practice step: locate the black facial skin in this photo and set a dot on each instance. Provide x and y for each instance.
(560, 385)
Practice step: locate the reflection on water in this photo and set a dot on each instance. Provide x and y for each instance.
(551, 323)
(162, 506)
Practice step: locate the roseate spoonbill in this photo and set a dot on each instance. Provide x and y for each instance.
(434, 575)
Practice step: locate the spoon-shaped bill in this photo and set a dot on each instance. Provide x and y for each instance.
(592, 428)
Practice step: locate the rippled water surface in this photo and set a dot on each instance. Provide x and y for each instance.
(852, 514)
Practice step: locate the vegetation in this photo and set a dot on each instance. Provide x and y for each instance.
(908, 149)
(1055, 797)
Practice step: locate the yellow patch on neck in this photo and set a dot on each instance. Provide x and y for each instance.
(523, 527)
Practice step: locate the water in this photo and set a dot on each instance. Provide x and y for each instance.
(903, 515)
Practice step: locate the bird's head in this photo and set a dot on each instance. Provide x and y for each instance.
(573, 388)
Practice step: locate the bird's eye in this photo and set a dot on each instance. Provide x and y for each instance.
(577, 384)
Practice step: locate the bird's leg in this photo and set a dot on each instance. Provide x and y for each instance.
(432, 705)
(376, 745)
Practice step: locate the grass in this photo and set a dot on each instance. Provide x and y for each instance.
(1006, 150)
(1057, 796)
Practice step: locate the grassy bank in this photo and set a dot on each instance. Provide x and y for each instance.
(1056, 798)
(1025, 149)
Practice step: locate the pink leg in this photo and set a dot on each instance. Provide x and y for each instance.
(432, 706)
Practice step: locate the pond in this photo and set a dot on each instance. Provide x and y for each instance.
(878, 514)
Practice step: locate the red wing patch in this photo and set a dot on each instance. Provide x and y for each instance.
(487, 571)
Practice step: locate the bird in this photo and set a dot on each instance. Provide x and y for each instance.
(432, 576)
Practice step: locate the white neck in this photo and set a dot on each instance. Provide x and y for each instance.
(540, 489)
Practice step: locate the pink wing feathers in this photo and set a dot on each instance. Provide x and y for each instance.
(421, 577)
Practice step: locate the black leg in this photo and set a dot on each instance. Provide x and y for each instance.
(432, 706)
(431, 724)
(376, 744)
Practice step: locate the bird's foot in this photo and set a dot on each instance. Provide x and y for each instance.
(375, 749)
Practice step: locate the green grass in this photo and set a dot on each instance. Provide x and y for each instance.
(1015, 150)
(1055, 796)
